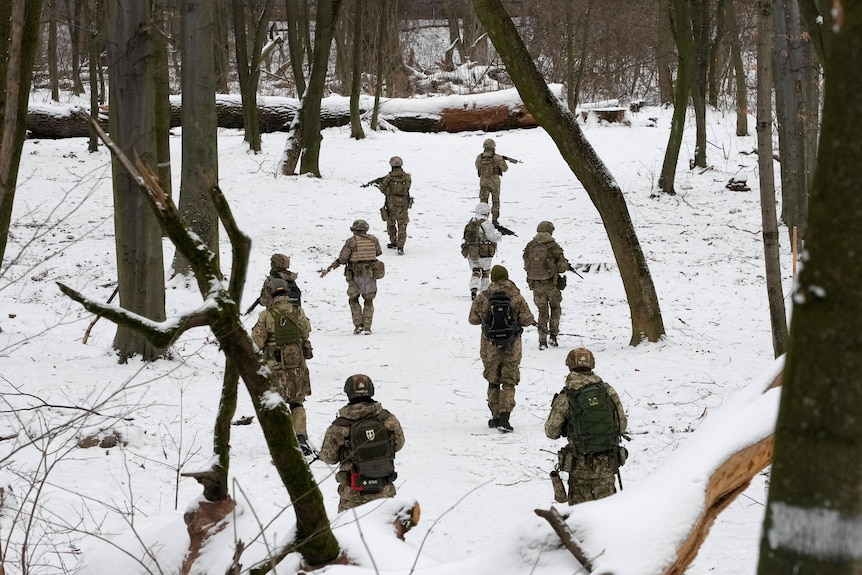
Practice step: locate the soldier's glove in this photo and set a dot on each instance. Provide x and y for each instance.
(323, 272)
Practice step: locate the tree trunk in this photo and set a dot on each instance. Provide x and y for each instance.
(685, 64)
(221, 46)
(791, 111)
(327, 14)
(248, 66)
(53, 76)
(356, 131)
(378, 62)
(563, 128)
(665, 54)
(163, 95)
(741, 89)
(140, 264)
(294, 44)
(772, 259)
(20, 31)
(715, 52)
(700, 29)
(811, 524)
(94, 45)
(200, 127)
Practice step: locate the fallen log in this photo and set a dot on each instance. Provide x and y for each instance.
(488, 112)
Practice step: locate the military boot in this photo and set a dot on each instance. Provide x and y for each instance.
(503, 425)
(553, 341)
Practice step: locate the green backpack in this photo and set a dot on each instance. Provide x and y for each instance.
(593, 419)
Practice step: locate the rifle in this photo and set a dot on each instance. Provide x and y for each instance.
(571, 269)
(503, 230)
(374, 182)
(324, 271)
(513, 160)
(254, 305)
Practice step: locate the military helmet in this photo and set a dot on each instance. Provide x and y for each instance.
(277, 288)
(579, 358)
(482, 209)
(280, 261)
(545, 227)
(489, 144)
(396, 161)
(359, 226)
(358, 385)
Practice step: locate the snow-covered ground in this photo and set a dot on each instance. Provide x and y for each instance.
(96, 510)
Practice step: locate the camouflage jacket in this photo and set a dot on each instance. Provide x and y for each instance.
(274, 274)
(263, 332)
(555, 252)
(334, 440)
(490, 165)
(396, 183)
(556, 423)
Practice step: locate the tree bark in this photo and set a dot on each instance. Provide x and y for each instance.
(162, 83)
(140, 263)
(665, 54)
(772, 259)
(20, 31)
(248, 66)
(811, 524)
(356, 131)
(700, 23)
(740, 87)
(200, 127)
(294, 44)
(563, 128)
(685, 50)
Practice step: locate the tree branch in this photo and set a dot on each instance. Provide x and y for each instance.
(558, 524)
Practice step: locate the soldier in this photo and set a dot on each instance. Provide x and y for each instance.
(490, 167)
(281, 332)
(545, 263)
(502, 312)
(362, 270)
(366, 454)
(479, 247)
(279, 270)
(589, 413)
(396, 188)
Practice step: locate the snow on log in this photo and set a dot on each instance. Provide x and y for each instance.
(490, 112)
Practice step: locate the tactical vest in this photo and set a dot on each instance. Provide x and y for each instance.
(365, 250)
(476, 242)
(487, 166)
(286, 328)
(398, 185)
(540, 265)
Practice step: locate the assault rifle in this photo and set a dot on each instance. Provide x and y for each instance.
(512, 160)
(571, 269)
(254, 305)
(374, 182)
(503, 230)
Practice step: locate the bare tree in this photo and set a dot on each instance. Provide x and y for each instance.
(563, 128)
(685, 64)
(248, 63)
(132, 121)
(20, 28)
(356, 73)
(811, 523)
(772, 260)
(741, 88)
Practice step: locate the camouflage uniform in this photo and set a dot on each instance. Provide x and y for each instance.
(331, 452)
(480, 252)
(278, 270)
(490, 166)
(287, 362)
(546, 292)
(358, 255)
(502, 366)
(396, 187)
(590, 476)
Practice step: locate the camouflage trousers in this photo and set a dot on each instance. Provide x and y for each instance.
(350, 498)
(547, 298)
(293, 385)
(503, 373)
(362, 315)
(490, 187)
(481, 268)
(396, 226)
(591, 477)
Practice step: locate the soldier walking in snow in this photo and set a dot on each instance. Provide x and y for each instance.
(363, 441)
(545, 265)
(490, 167)
(502, 312)
(362, 270)
(396, 188)
(281, 332)
(589, 413)
(479, 247)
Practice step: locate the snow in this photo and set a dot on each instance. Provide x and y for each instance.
(692, 398)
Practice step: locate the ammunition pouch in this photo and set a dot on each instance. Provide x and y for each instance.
(378, 269)
(564, 458)
(622, 455)
(561, 283)
(384, 214)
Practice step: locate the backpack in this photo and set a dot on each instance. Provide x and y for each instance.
(500, 324)
(593, 419)
(487, 167)
(371, 449)
(540, 265)
(294, 294)
(286, 329)
(398, 185)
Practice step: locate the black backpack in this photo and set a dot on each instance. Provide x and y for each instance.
(500, 324)
(593, 419)
(371, 449)
(294, 294)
